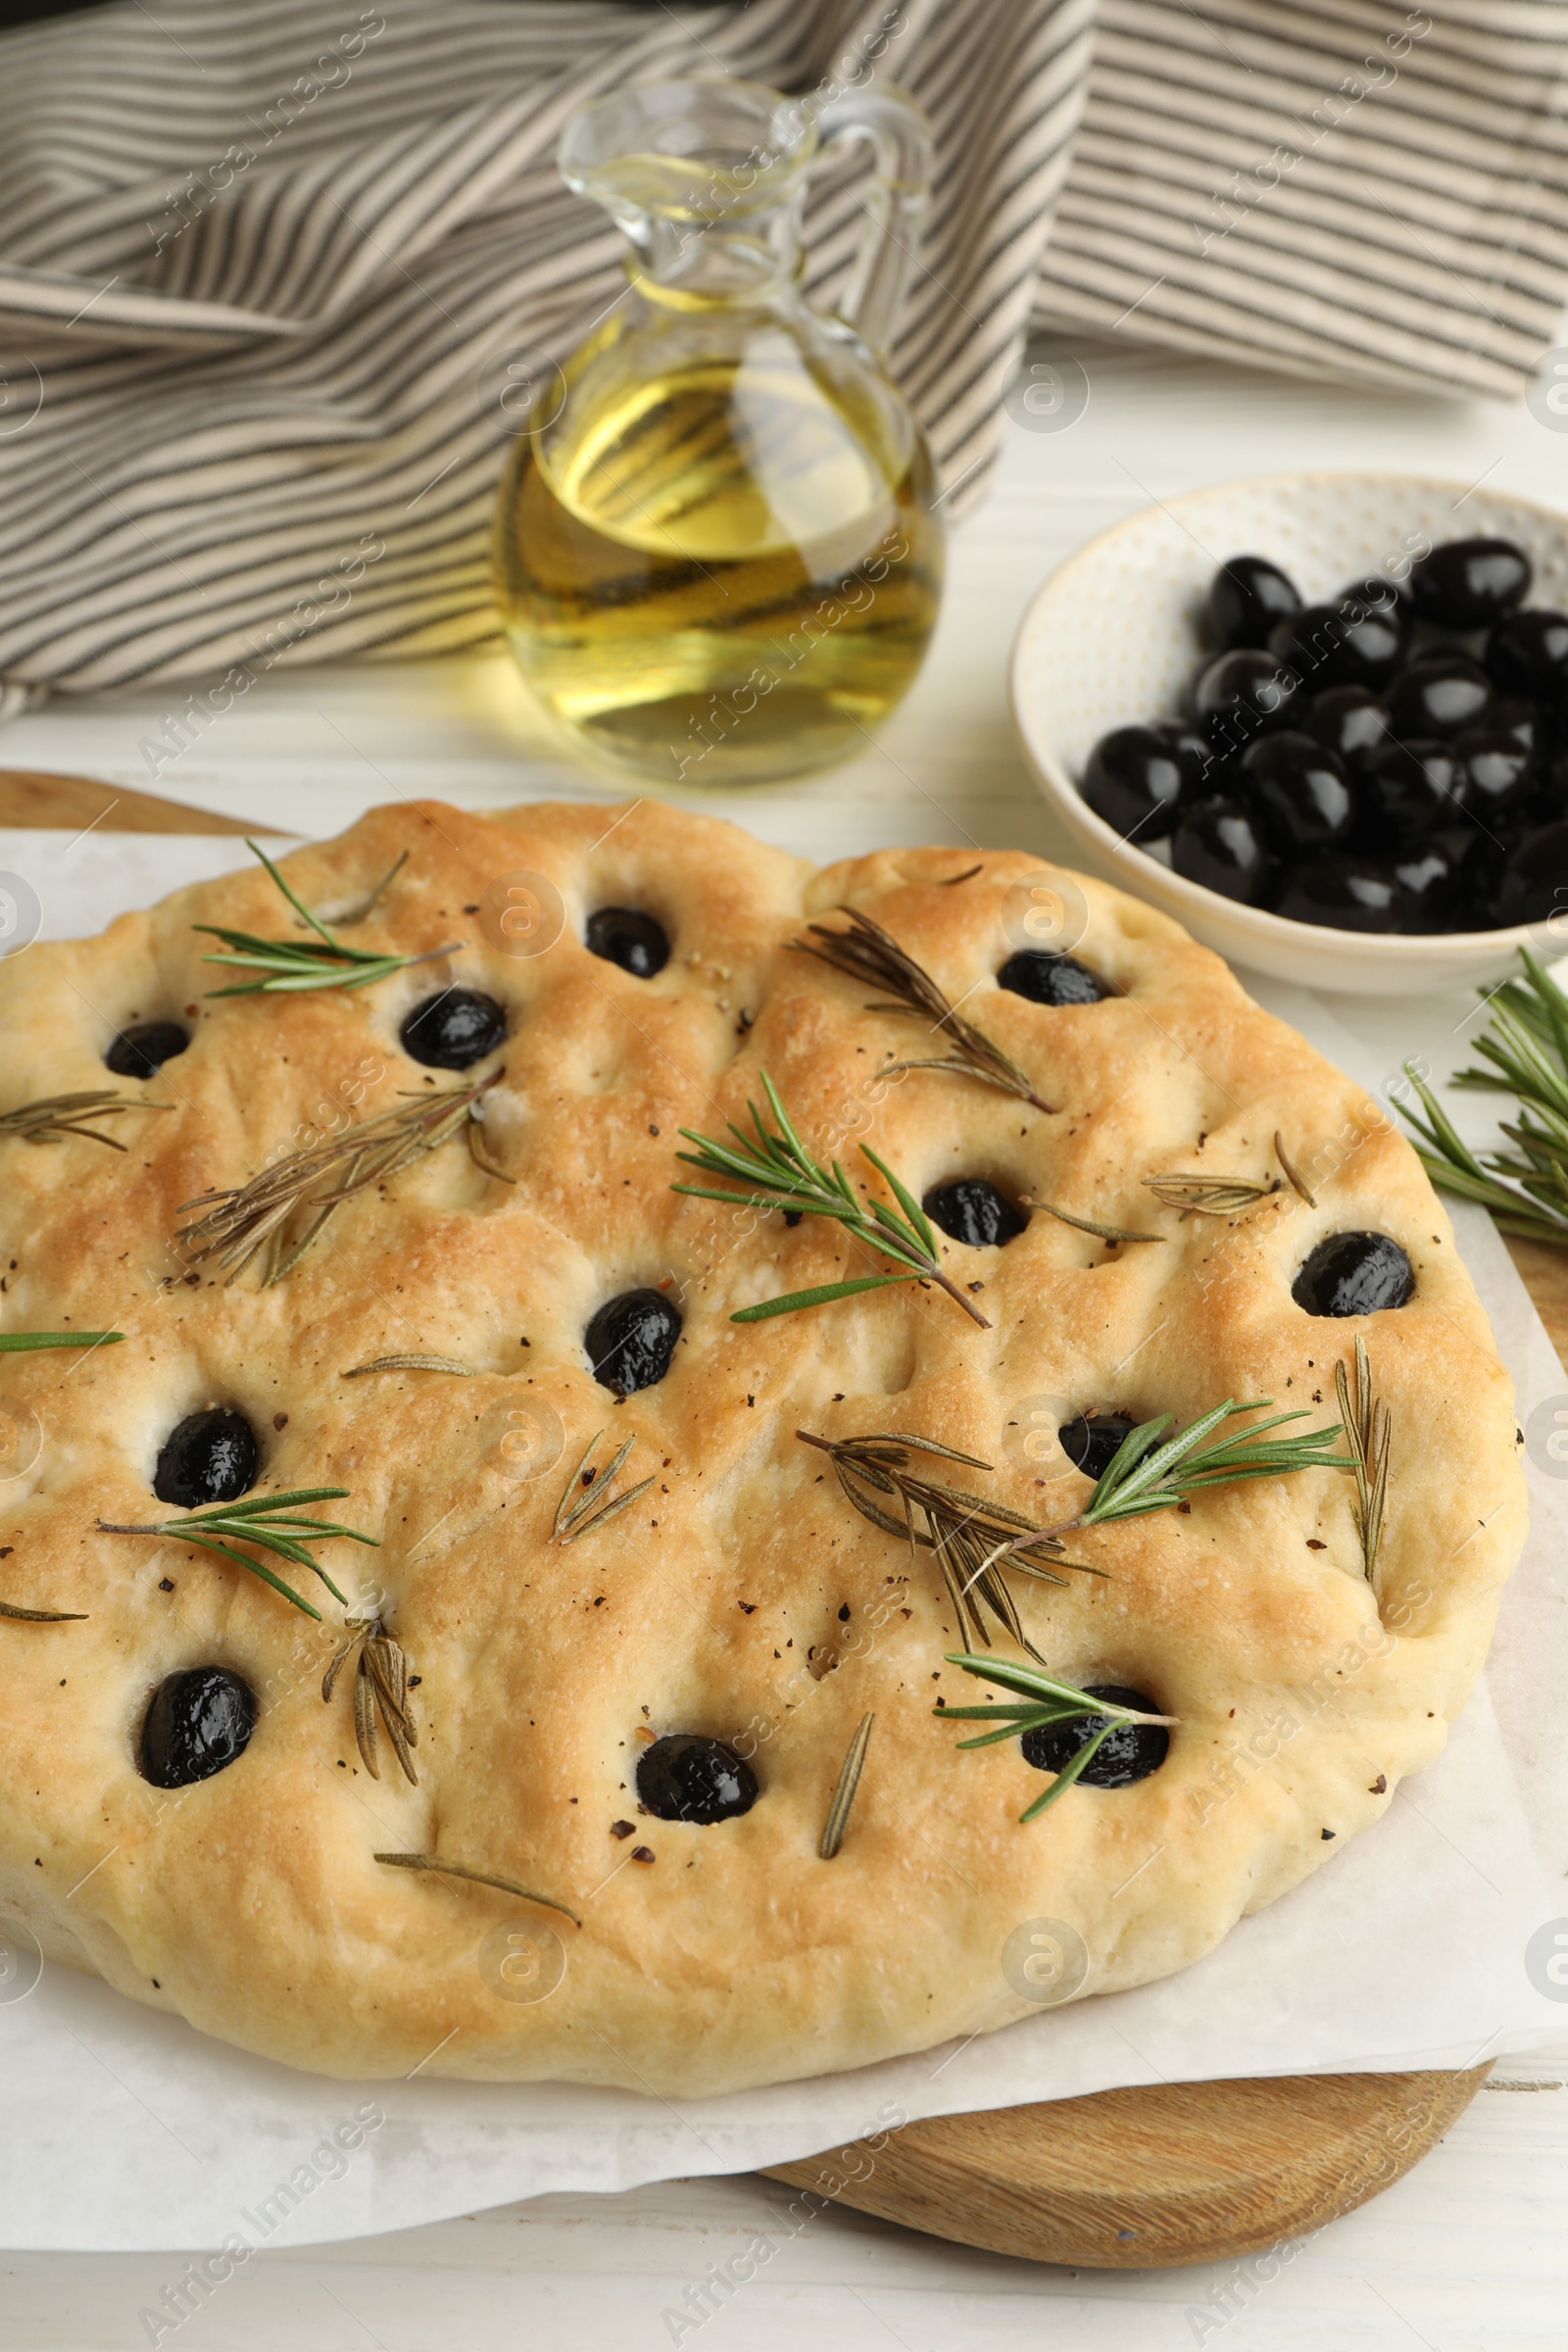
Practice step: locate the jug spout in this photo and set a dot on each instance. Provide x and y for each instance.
(704, 177)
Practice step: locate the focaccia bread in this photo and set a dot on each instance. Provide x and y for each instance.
(645, 1724)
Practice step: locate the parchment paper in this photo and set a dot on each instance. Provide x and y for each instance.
(126, 2130)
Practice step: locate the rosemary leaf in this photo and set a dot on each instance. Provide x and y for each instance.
(480, 1878)
(869, 954)
(1048, 1702)
(1292, 1177)
(292, 966)
(822, 1296)
(838, 1812)
(1107, 1233)
(264, 1520)
(586, 1505)
(1368, 1430)
(54, 1117)
(782, 1174)
(22, 1341)
(366, 905)
(43, 1616)
(409, 1364)
(283, 1210)
(365, 1719)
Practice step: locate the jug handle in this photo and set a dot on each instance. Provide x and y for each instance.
(896, 203)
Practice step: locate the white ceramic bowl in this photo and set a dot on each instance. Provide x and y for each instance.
(1112, 638)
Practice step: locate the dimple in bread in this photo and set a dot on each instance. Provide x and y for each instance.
(738, 1598)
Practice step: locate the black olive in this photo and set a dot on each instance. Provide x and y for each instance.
(454, 1030)
(1549, 799)
(1090, 1441)
(1376, 593)
(1409, 788)
(1429, 876)
(1132, 781)
(689, 1777)
(141, 1051)
(1350, 644)
(1473, 906)
(1533, 885)
(1350, 721)
(1528, 654)
(1525, 721)
(1192, 751)
(1220, 844)
(1241, 695)
(623, 935)
(1355, 1274)
(1470, 583)
(210, 1456)
(1440, 695)
(1348, 891)
(1498, 772)
(1300, 789)
(1050, 979)
(1130, 1751)
(974, 1212)
(199, 1720)
(631, 1338)
(1246, 597)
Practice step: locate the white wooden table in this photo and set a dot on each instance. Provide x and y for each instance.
(1468, 2253)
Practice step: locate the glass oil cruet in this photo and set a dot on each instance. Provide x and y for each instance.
(717, 557)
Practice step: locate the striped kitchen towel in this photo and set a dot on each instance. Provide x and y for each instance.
(1331, 186)
(270, 277)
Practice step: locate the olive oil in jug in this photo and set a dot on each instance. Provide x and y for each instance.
(718, 560)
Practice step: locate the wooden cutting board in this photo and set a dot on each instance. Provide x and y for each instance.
(1178, 2173)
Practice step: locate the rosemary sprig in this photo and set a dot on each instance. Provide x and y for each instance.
(586, 1505)
(54, 1117)
(867, 953)
(381, 1683)
(838, 1812)
(22, 1341)
(1047, 1701)
(1146, 1475)
(409, 1364)
(291, 966)
(43, 1616)
(1368, 1430)
(248, 1219)
(480, 1878)
(265, 1521)
(971, 1536)
(974, 1540)
(1526, 1043)
(782, 1174)
(1224, 1196)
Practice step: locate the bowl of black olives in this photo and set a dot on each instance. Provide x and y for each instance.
(1319, 722)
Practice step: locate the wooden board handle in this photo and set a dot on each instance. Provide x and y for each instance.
(36, 797)
(1165, 2174)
